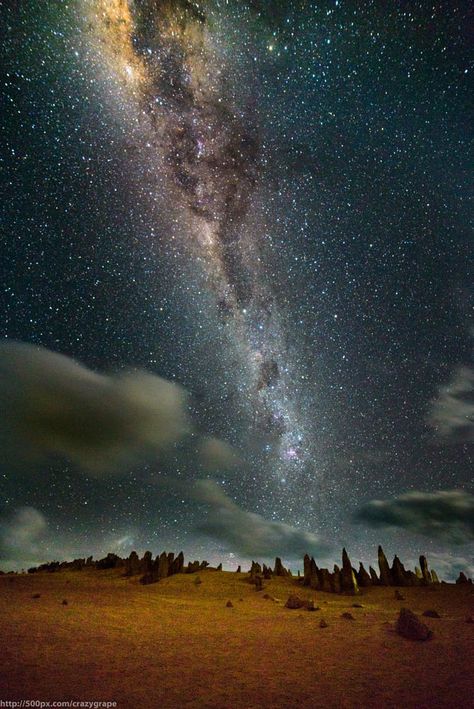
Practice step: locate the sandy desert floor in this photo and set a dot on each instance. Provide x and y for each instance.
(176, 644)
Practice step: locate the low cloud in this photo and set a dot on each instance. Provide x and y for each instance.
(21, 532)
(217, 455)
(249, 533)
(54, 406)
(452, 411)
(446, 515)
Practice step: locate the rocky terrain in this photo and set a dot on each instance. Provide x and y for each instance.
(158, 631)
(341, 580)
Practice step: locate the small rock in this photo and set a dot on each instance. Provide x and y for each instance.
(357, 605)
(431, 614)
(398, 595)
(410, 626)
(322, 623)
(229, 604)
(347, 616)
(64, 602)
(295, 602)
(267, 597)
(36, 595)
(146, 579)
(197, 581)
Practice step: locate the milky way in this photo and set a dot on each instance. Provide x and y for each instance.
(266, 203)
(206, 141)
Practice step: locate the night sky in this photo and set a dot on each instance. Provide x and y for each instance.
(269, 205)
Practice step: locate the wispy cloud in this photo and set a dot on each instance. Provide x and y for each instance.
(446, 514)
(217, 455)
(21, 532)
(250, 533)
(452, 411)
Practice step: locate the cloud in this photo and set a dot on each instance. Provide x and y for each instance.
(249, 533)
(54, 406)
(452, 411)
(20, 533)
(447, 514)
(217, 455)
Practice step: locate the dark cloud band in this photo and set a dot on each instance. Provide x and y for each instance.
(447, 514)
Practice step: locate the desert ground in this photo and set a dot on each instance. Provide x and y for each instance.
(177, 644)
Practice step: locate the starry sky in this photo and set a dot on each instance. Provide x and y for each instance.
(266, 207)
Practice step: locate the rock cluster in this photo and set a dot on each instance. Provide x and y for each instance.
(50, 567)
(349, 580)
(150, 570)
(111, 561)
(163, 566)
(267, 572)
(75, 565)
(195, 566)
(258, 573)
(133, 565)
(279, 569)
(255, 568)
(339, 581)
(255, 575)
